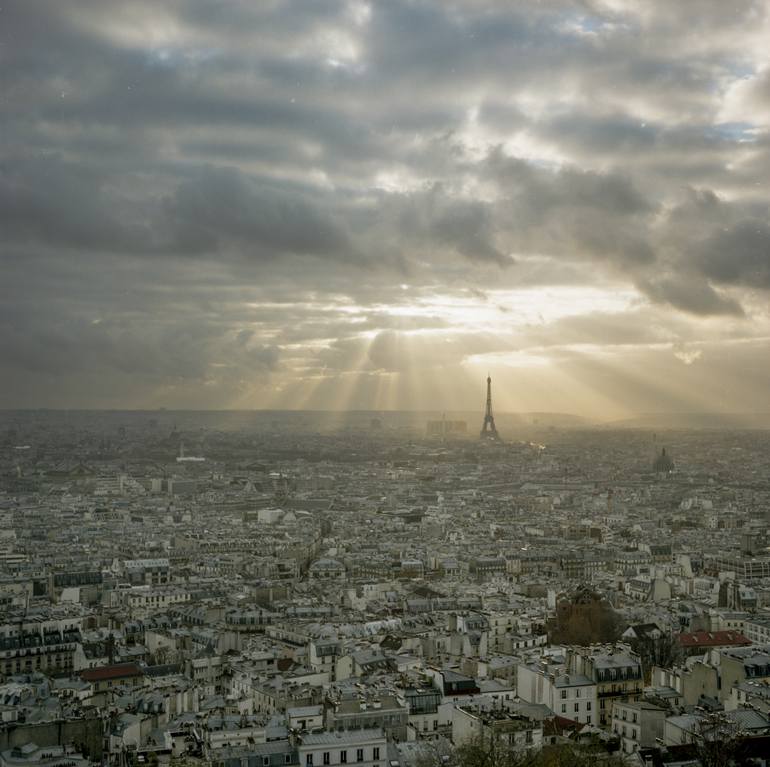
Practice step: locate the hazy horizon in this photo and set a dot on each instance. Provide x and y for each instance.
(512, 426)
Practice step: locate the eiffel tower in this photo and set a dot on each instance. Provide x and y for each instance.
(489, 430)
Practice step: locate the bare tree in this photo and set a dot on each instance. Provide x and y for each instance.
(719, 741)
(493, 752)
(665, 651)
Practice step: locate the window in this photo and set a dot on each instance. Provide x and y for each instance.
(265, 761)
(376, 752)
(309, 759)
(327, 757)
(343, 757)
(563, 694)
(359, 754)
(588, 706)
(564, 708)
(577, 707)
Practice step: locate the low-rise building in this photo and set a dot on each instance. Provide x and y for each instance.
(743, 664)
(617, 675)
(383, 712)
(105, 678)
(571, 696)
(638, 724)
(363, 748)
(510, 730)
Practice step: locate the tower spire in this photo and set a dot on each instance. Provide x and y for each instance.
(489, 430)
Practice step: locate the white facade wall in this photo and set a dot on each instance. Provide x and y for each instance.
(360, 748)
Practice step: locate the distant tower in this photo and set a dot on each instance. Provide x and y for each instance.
(489, 430)
(663, 463)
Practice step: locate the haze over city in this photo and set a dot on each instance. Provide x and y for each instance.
(373, 205)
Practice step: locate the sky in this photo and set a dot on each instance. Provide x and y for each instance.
(373, 205)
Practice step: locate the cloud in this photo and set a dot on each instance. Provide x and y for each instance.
(433, 222)
(192, 199)
(692, 294)
(748, 99)
(221, 209)
(738, 255)
(688, 356)
(571, 213)
(45, 199)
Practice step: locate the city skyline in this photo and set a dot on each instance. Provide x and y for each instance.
(372, 206)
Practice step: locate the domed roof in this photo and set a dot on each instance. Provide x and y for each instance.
(663, 463)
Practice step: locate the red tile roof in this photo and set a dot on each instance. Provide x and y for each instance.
(116, 671)
(559, 725)
(713, 639)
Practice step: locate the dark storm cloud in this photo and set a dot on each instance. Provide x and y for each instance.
(54, 345)
(690, 294)
(542, 190)
(739, 254)
(221, 208)
(604, 134)
(429, 221)
(74, 205)
(45, 199)
(572, 213)
(191, 191)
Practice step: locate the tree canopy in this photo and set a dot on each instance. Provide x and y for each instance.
(583, 618)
